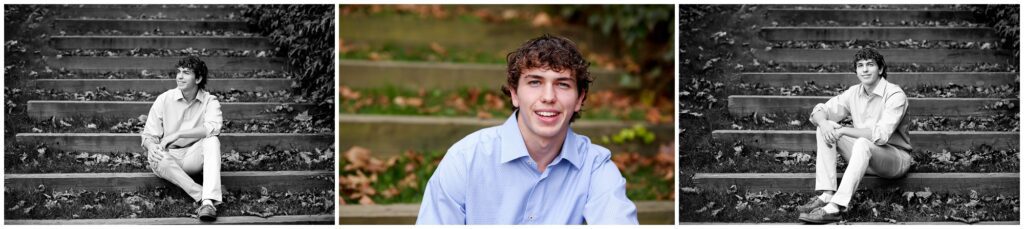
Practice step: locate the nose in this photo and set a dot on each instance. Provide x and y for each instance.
(548, 94)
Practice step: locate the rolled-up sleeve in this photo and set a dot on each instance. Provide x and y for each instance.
(836, 108)
(213, 119)
(154, 128)
(893, 111)
(608, 203)
(444, 199)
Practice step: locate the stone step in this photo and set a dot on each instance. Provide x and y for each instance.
(160, 42)
(741, 105)
(163, 64)
(79, 26)
(138, 11)
(858, 16)
(648, 212)
(228, 220)
(131, 142)
(44, 109)
(391, 135)
(847, 33)
(904, 79)
(295, 181)
(843, 57)
(988, 183)
(497, 39)
(361, 74)
(160, 85)
(935, 141)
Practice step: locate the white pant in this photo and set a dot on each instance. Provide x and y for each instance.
(863, 156)
(202, 157)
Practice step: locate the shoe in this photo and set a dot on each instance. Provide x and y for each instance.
(207, 213)
(816, 203)
(818, 216)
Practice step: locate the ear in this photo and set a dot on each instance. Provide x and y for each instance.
(579, 102)
(515, 97)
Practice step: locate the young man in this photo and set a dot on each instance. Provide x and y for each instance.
(180, 136)
(878, 142)
(533, 169)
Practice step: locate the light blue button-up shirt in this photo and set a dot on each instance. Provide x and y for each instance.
(489, 178)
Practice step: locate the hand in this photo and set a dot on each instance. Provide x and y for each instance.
(166, 142)
(831, 131)
(155, 155)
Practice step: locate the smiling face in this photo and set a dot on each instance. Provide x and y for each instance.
(868, 72)
(547, 101)
(186, 79)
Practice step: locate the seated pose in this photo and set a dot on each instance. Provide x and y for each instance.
(878, 142)
(533, 169)
(180, 137)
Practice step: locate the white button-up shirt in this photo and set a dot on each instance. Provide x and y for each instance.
(883, 110)
(171, 113)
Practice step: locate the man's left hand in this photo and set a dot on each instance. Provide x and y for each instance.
(168, 140)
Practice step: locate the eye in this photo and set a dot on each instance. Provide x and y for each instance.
(533, 82)
(564, 85)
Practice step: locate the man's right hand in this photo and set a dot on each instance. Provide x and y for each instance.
(830, 129)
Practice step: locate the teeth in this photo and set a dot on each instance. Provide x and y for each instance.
(546, 114)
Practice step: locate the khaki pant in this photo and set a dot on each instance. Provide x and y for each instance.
(203, 157)
(864, 157)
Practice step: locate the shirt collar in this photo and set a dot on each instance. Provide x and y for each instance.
(180, 95)
(513, 147)
(879, 89)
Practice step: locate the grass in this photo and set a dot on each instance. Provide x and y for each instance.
(421, 52)
(751, 206)
(476, 102)
(159, 202)
(944, 91)
(22, 158)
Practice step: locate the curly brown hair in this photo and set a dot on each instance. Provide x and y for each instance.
(549, 52)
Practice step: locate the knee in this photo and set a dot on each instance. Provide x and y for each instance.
(163, 165)
(862, 147)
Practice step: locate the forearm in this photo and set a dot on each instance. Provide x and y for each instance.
(855, 132)
(198, 132)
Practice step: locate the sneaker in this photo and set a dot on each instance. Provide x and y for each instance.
(818, 216)
(816, 203)
(207, 213)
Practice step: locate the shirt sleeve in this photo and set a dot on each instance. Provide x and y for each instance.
(444, 199)
(607, 202)
(892, 113)
(213, 119)
(835, 108)
(154, 128)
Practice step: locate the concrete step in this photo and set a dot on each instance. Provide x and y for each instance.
(228, 220)
(904, 79)
(78, 26)
(131, 142)
(847, 33)
(295, 181)
(150, 11)
(43, 109)
(935, 141)
(361, 74)
(390, 135)
(648, 212)
(159, 42)
(988, 183)
(892, 56)
(163, 64)
(741, 105)
(857, 16)
(159, 85)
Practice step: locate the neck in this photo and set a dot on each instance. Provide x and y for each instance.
(868, 88)
(189, 94)
(542, 150)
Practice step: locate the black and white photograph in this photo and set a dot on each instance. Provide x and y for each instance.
(169, 114)
(849, 114)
